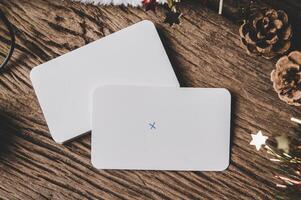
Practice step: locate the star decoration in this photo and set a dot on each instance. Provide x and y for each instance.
(149, 4)
(258, 140)
(282, 143)
(173, 17)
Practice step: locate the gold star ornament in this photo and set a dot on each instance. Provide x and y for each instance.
(282, 143)
(258, 140)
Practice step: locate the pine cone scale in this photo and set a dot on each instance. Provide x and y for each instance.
(283, 16)
(296, 58)
(272, 14)
(287, 33)
(257, 20)
(278, 24)
(264, 48)
(282, 47)
(272, 40)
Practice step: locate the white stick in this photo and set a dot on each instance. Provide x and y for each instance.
(220, 10)
(296, 120)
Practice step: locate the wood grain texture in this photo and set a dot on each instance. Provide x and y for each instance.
(205, 52)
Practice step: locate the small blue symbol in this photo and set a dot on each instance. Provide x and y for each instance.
(152, 125)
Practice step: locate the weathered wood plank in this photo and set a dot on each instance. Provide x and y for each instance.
(205, 52)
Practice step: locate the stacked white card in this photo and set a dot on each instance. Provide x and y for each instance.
(124, 89)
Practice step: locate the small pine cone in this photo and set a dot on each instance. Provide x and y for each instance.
(286, 78)
(266, 33)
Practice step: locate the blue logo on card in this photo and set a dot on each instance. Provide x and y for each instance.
(152, 126)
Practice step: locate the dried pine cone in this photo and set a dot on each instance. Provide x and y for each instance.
(287, 78)
(266, 33)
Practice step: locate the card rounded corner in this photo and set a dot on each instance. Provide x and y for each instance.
(32, 73)
(148, 22)
(227, 92)
(225, 166)
(93, 163)
(58, 140)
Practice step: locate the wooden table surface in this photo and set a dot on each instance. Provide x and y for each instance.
(205, 51)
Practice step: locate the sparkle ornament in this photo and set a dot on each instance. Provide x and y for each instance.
(149, 4)
(298, 121)
(258, 140)
(173, 17)
(282, 143)
(290, 178)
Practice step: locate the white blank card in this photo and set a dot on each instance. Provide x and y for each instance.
(64, 86)
(161, 128)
